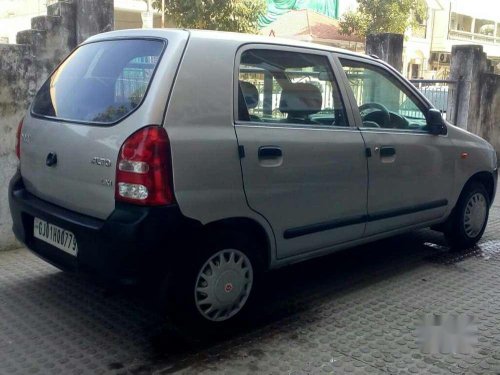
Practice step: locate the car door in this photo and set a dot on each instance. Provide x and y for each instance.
(410, 170)
(303, 165)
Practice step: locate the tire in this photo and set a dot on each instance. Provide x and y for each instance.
(200, 305)
(467, 223)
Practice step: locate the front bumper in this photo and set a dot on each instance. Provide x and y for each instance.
(132, 242)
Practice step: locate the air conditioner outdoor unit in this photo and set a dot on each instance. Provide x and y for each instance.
(444, 58)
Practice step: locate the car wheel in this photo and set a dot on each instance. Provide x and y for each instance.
(468, 221)
(212, 290)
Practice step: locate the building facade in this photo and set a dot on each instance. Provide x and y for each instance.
(427, 47)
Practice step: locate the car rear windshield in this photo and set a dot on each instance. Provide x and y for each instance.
(100, 82)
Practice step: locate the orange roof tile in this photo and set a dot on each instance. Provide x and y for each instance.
(300, 23)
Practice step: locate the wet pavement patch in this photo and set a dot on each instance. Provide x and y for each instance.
(445, 255)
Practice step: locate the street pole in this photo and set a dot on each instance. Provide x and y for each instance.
(147, 16)
(162, 14)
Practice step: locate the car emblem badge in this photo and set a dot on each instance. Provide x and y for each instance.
(26, 137)
(228, 287)
(102, 162)
(51, 159)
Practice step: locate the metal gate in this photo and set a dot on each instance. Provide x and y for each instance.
(440, 92)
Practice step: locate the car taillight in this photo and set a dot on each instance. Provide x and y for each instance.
(143, 170)
(18, 138)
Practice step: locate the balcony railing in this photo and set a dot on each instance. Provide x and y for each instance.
(466, 35)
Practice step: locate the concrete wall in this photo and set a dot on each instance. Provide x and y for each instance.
(476, 106)
(26, 65)
(17, 86)
(93, 15)
(389, 47)
(489, 114)
(468, 63)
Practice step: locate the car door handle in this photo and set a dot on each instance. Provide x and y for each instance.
(387, 151)
(270, 152)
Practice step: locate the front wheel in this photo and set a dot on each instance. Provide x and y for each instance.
(469, 218)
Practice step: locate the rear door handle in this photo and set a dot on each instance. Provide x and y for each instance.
(387, 151)
(270, 152)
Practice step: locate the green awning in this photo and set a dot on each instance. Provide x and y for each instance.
(276, 8)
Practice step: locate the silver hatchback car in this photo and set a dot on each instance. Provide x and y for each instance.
(206, 158)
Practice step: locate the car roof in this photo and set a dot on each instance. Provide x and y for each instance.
(218, 35)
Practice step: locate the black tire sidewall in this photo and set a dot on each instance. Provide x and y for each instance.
(179, 298)
(456, 234)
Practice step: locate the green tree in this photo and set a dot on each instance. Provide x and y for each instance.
(225, 15)
(383, 16)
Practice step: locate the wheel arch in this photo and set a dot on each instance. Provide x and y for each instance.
(249, 226)
(486, 179)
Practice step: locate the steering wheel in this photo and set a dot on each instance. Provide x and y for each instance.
(379, 109)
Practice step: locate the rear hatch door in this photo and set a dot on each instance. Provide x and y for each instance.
(82, 115)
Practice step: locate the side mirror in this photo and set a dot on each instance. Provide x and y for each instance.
(435, 122)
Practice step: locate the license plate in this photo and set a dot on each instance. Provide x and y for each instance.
(56, 236)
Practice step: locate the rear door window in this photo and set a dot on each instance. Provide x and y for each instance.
(288, 87)
(100, 82)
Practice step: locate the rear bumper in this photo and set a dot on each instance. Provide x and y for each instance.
(132, 242)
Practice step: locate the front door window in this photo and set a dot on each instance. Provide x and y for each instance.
(382, 100)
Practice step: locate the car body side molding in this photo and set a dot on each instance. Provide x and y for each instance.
(338, 223)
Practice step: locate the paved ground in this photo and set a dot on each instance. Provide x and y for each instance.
(352, 312)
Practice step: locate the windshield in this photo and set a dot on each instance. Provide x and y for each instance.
(100, 82)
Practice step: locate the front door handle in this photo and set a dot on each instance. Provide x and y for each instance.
(270, 156)
(387, 151)
(270, 152)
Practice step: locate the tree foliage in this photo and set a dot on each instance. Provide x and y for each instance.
(224, 15)
(383, 16)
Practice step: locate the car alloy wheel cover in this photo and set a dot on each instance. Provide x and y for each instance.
(475, 214)
(223, 285)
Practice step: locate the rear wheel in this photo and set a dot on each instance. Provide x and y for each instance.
(223, 285)
(469, 218)
(212, 289)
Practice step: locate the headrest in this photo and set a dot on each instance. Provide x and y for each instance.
(250, 94)
(301, 99)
